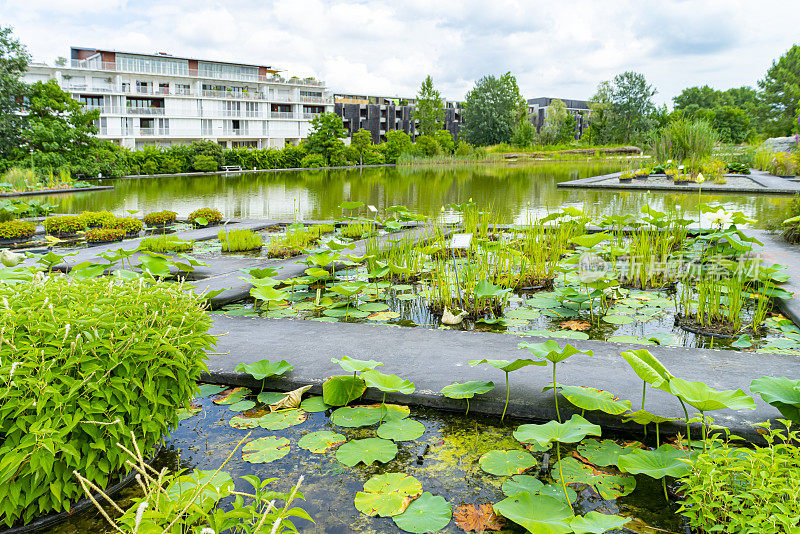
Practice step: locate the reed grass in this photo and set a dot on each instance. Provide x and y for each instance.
(239, 240)
(165, 243)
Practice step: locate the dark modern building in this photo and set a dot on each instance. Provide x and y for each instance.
(379, 114)
(579, 108)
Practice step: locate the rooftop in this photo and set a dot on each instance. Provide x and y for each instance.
(75, 52)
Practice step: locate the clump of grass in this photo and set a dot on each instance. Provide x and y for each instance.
(296, 239)
(165, 243)
(20, 179)
(685, 139)
(239, 240)
(356, 230)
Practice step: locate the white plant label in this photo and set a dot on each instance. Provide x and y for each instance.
(372, 208)
(461, 241)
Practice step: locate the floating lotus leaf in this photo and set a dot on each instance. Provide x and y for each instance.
(241, 406)
(606, 452)
(407, 296)
(244, 421)
(269, 397)
(508, 365)
(572, 431)
(706, 398)
(325, 319)
(387, 495)
(352, 365)
(648, 368)
(561, 334)
(485, 289)
(592, 399)
(551, 351)
(643, 417)
(264, 368)
(282, 419)
(356, 416)
(313, 404)
(334, 312)
(664, 461)
(210, 389)
(631, 339)
(231, 396)
(265, 450)
(505, 463)
(537, 513)
(467, 390)
(618, 319)
(367, 451)
(373, 307)
(383, 316)
(428, 513)
(525, 314)
(320, 441)
(780, 392)
(191, 411)
(520, 483)
(608, 485)
(387, 383)
(342, 389)
(559, 313)
(557, 492)
(477, 518)
(591, 240)
(401, 430)
(597, 523)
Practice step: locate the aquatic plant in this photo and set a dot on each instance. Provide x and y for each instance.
(507, 367)
(17, 230)
(165, 243)
(387, 384)
(127, 224)
(160, 218)
(263, 369)
(660, 463)
(239, 240)
(357, 230)
(780, 392)
(467, 390)
(95, 235)
(65, 225)
(205, 216)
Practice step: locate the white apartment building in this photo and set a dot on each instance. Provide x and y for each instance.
(159, 99)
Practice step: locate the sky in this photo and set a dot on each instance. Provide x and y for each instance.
(559, 49)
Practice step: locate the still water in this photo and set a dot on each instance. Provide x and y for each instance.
(512, 191)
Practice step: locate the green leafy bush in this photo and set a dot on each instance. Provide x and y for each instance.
(129, 224)
(96, 219)
(160, 218)
(17, 230)
(165, 243)
(313, 161)
(738, 168)
(204, 163)
(745, 491)
(82, 365)
(64, 225)
(210, 215)
(99, 235)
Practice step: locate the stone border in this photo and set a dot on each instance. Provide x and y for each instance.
(57, 191)
(243, 171)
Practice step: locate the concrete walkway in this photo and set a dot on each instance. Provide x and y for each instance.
(433, 359)
(777, 250)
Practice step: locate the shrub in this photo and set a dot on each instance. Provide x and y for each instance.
(106, 358)
(129, 225)
(99, 235)
(211, 215)
(373, 157)
(445, 141)
(165, 243)
(426, 145)
(204, 163)
(313, 161)
(160, 218)
(463, 148)
(96, 219)
(239, 240)
(738, 168)
(17, 230)
(64, 225)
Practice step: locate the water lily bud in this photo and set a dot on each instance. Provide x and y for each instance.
(700, 178)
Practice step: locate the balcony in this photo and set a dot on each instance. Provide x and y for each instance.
(316, 99)
(234, 132)
(282, 115)
(145, 111)
(237, 113)
(309, 116)
(230, 94)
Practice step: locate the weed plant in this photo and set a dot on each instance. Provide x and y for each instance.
(357, 230)
(165, 243)
(239, 240)
(296, 239)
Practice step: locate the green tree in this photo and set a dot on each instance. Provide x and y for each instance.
(325, 137)
(780, 90)
(429, 109)
(426, 145)
(13, 64)
(492, 110)
(524, 134)
(559, 124)
(601, 106)
(445, 141)
(731, 123)
(632, 98)
(362, 143)
(697, 97)
(397, 143)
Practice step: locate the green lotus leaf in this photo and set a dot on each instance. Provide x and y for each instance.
(351, 204)
(557, 492)
(191, 411)
(648, 368)
(485, 289)
(643, 417)
(347, 289)
(572, 431)
(780, 392)
(342, 389)
(265, 450)
(519, 483)
(587, 398)
(591, 240)
(597, 523)
(706, 398)
(356, 416)
(373, 307)
(561, 334)
(388, 383)
(606, 452)
(231, 396)
(505, 463)
(618, 319)
(525, 314)
(244, 421)
(211, 389)
(467, 390)
(352, 365)
(367, 451)
(401, 430)
(264, 368)
(509, 365)
(269, 397)
(383, 316)
(387, 495)
(313, 404)
(664, 461)
(550, 350)
(427, 513)
(608, 485)
(320, 441)
(282, 419)
(537, 513)
(241, 406)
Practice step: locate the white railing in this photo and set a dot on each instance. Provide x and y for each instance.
(237, 113)
(144, 111)
(311, 115)
(282, 115)
(316, 99)
(234, 132)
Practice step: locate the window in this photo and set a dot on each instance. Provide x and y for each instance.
(222, 71)
(142, 87)
(152, 65)
(163, 126)
(91, 101)
(248, 144)
(183, 89)
(206, 127)
(163, 88)
(251, 109)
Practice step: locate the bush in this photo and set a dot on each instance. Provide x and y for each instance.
(445, 141)
(96, 219)
(203, 163)
(313, 161)
(165, 243)
(67, 224)
(211, 215)
(107, 358)
(738, 168)
(373, 157)
(463, 148)
(128, 224)
(99, 235)
(160, 218)
(426, 145)
(17, 230)
(20, 179)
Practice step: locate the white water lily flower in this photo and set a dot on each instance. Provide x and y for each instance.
(700, 178)
(722, 218)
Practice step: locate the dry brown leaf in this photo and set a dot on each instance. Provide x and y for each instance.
(290, 399)
(477, 518)
(573, 325)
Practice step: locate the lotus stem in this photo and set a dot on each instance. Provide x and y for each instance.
(555, 392)
(383, 403)
(658, 437)
(664, 485)
(644, 390)
(688, 430)
(703, 415)
(561, 474)
(507, 394)
(467, 412)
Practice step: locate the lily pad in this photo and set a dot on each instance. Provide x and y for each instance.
(191, 411)
(356, 416)
(231, 396)
(313, 404)
(618, 319)
(383, 316)
(401, 430)
(664, 461)
(608, 485)
(244, 421)
(367, 451)
(587, 398)
(537, 513)
(571, 431)
(353, 365)
(631, 339)
(407, 296)
(269, 397)
(561, 334)
(557, 492)
(210, 389)
(264, 368)
(282, 419)
(597, 523)
(526, 314)
(606, 452)
(373, 307)
(428, 513)
(519, 483)
(241, 406)
(505, 463)
(321, 441)
(265, 450)
(467, 390)
(387, 495)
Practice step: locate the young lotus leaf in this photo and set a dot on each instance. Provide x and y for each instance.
(608, 485)
(537, 513)
(351, 204)
(313, 404)
(265, 450)
(618, 319)
(320, 441)
(572, 431)
(505, 463)
(485, 289)
(401, 430)
(356, 416)
(519, 483)
(587, 398)
(191, 411)
(508, 365)
(597, 523)
(706, 398)
(282, 419)
(347, 289)
(210, 389)
(591, 240)
(231, 396)
(341, 389)
(550, 350)
(648, 368)
(643, 417)
(387, 495)
(241, 406)
(780, 392)
(428, 513)
(387, 383)
(561, 334)
(268, 293)
(467, 390)
(664, 461)
(368, 451)
(264, 368)
(606, 452)
(269, 397)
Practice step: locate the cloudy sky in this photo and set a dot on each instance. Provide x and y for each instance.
(561, 49)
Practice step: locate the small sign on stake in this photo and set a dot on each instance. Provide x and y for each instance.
(461, 241)
(372, 208)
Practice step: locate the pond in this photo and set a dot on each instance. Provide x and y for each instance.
(450, 467)
(512, 191)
